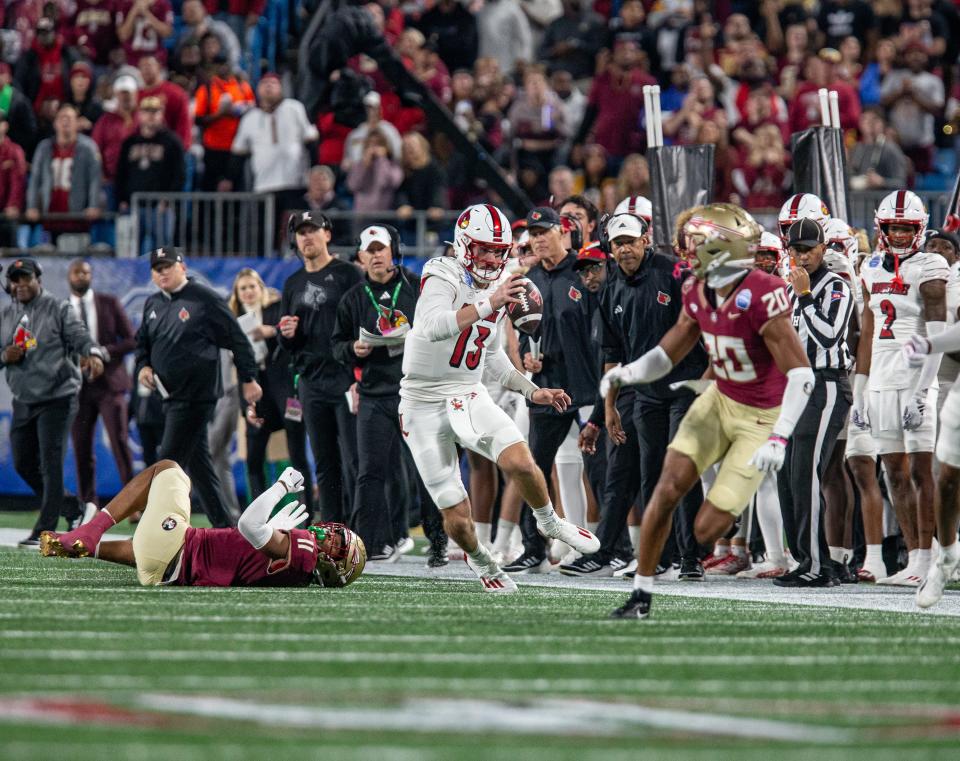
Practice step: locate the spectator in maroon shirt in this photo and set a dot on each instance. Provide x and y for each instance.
(116, 126)
(81, 95)
(790, 64)
(43, 69)
(13, 185)
(762, 179)
(805, 105)
(142, 27)
(699, 105)
(93, 29)
(615, 103)
(176, 104)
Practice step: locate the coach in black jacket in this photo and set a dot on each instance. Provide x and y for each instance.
(566, 360)
(309, 306)
(640, 306)
(178, 353)
(385, 301)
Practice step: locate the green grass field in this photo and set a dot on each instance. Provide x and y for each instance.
(95, 667)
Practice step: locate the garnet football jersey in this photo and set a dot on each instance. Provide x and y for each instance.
(221, 557)
(740, 359)
(897, 312)
(452, 366)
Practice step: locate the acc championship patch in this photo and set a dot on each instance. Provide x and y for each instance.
(874, 262)
(743, 299)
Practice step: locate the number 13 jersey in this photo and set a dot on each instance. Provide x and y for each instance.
(438, 361)
(732, 331)
(897, 309)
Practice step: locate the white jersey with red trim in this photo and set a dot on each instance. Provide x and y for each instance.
(897, 309)
(950, 368)
(440, 361)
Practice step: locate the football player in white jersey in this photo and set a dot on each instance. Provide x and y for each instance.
(442, 398)
(801, 206)
(639, 206)
(904, 295)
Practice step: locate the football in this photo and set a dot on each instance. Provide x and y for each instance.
(527, 313)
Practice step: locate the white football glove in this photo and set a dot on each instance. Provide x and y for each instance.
(915, 351)
(289, 517)
(913, 411)
(614, 378)
(769, 457)
(292, 480)
(859, 412)
(697, 386)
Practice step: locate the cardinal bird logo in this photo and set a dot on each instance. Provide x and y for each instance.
(183, 314)
(574, 294)
(384, 323)
(456, 404)
(464, 222)
(663, 298)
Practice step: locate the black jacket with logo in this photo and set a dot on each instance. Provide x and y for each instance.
(569, 359)
(181, 336)
(314, 298)
(381, 369)
(638, 310)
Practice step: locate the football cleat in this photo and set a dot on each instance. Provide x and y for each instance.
(493, 578)
(577, 537)
(729, 565)
(529, 562)
(765, 570)
(872, 573)
(587, 565)
(636, 606)
(908, 577)
(690, 569)
(711, 560)
(931, 588)
(51, 546)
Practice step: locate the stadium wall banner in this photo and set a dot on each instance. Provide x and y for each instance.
(128, 280)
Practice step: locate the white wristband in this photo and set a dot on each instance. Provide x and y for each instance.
(484, 308)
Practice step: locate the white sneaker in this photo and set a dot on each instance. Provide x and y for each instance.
(908, 577)
(577, 537)
(628, 568)
(493, 578)
(765, 570)
(405, 545)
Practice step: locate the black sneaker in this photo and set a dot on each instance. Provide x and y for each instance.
(528, 562)
(691, 569)
(637, 606)
(588, 565)
(31, 541)
(845, 574)
(437, 558)
(808, 579)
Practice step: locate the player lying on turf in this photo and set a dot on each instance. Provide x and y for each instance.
(165, 549)
(763, 382)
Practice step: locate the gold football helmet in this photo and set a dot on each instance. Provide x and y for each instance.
(719, 241)
(341, 557)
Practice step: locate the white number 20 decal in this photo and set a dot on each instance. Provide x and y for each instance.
(776, 302)
(730, 359)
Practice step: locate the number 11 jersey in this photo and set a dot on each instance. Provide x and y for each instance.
(732, 330)
(897, 309)
(438, 361)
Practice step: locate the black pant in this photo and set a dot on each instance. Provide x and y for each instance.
(274, 420)
(657, 421)
(38, 437)
(185, 442)
(621, 490)
(333, 438)
(807, 455)
(547, 433)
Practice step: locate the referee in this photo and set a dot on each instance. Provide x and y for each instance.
(822, 308)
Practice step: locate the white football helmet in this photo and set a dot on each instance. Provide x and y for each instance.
(802, 206)
(901, 207)
(482, 227)
(839, 237)
(771, 245)
(639, 206)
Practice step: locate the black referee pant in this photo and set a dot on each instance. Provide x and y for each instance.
(621, 489)
(657, 421)
(332, 430)
(807, 455)
(547, 432)
(185, 442)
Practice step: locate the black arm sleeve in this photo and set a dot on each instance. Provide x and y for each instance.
(345, 332)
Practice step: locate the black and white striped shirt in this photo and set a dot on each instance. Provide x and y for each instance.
(822, 318)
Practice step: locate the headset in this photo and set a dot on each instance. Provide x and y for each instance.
(323, 223)
(605, 244)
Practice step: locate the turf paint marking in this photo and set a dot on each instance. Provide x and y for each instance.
(538, 717)
(71, 711)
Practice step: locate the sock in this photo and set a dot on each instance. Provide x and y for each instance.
(634, 532)
(573, 495)
(592, 526)
(770, 520)
(874, 555)
(643, 583)
(545, 514)
(482, 558)
(923, 558)
(950, 555)
(837, 554)
(847, 554)
(95, 530)
(516, 536)
(738, 550)
(721, 550)
(911, 559)
(504, 532)
(483, 533)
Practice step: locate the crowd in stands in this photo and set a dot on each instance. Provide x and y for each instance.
(551, 89)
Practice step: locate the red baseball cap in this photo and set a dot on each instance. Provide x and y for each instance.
(589, 254)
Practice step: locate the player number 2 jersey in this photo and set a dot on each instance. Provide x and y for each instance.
(897, 309)
(732, 334)
(437, 368)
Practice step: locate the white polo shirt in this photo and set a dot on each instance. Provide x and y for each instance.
(276, 144)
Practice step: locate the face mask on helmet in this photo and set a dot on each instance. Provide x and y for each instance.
(485, 261)
(341, 555)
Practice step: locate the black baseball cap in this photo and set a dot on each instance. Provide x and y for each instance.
(543, 216)
(945, 235)
(805, 232)
(24, 266)
(315, 218)
(165, 255)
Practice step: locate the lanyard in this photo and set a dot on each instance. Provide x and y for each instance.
(393, 300)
